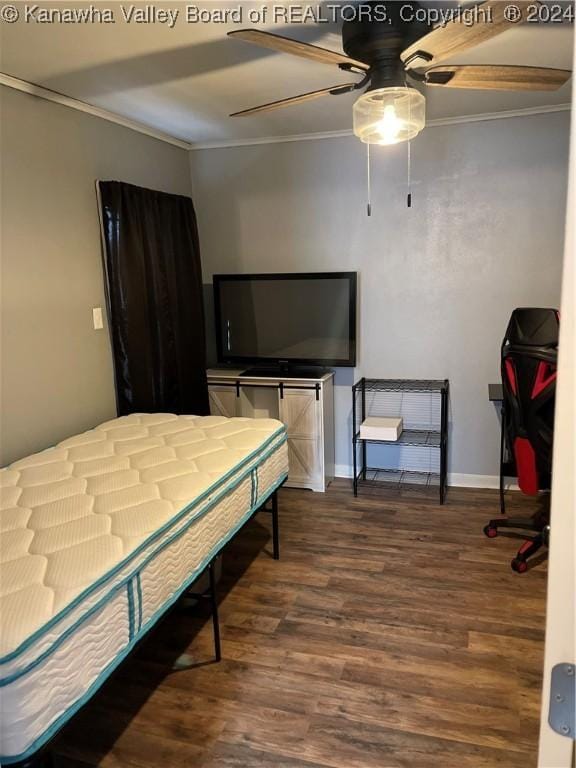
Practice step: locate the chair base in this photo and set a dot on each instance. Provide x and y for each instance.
(540, 525)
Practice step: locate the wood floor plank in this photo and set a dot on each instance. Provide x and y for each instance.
(445, 637)
(239, 756)
(390, 634)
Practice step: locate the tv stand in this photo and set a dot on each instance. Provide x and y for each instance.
(280, 372)
(304, 402)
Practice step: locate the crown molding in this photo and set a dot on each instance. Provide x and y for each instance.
(82, 106)
(484, 116)
(147, 130)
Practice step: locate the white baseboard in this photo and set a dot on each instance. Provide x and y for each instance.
(459, 480)
(455, 479)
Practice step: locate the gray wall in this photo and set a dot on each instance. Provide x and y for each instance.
(437, 281)
(56, 370)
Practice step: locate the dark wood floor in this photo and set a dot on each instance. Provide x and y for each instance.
(390, 633)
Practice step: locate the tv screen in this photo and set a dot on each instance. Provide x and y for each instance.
(286, 318)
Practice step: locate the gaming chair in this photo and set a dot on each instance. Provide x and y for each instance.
(528, 366)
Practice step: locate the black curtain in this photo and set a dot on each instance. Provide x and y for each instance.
(154, 282)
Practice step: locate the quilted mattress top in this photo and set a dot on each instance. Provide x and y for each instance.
(71, 513)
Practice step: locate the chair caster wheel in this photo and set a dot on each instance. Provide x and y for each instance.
(490, 531)
(520, 566)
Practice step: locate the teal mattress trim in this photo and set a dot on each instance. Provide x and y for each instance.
(127, 579)
(139, 593)
(172, 522)
(103, 676)
(130, 593)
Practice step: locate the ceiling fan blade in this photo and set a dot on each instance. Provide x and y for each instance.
(287, 45)
(486, 20)
(335, 90)
(497, 78)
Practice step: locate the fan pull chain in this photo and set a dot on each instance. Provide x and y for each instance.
(409, 176)
(409, 164)
(368, 184)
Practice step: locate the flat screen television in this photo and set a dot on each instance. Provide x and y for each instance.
(284, 320)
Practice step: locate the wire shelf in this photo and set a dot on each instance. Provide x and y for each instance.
(420, 459)
(403, 385)
(420, 437)
(399, 479)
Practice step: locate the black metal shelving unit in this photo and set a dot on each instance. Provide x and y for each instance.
(423, 406)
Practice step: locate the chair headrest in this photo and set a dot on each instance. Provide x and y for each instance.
(534, 327)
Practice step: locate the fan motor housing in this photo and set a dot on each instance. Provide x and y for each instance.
(377, 33)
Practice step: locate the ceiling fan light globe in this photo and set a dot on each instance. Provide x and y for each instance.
(389, 115)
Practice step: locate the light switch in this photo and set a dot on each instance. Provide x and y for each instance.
(97, 318)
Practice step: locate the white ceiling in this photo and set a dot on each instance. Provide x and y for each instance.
(186, 80)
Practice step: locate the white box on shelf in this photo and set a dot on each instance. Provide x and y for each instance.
(381, 428)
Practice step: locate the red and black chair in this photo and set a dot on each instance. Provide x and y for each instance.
(528, 366)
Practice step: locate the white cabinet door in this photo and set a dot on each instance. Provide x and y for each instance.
(301, 412)
(223, 401)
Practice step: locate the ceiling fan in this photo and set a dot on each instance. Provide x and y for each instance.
(390, 53)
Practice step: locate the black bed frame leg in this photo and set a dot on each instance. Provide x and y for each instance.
(275, 537)
(214, 605)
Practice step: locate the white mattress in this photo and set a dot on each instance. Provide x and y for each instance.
(100, 535)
